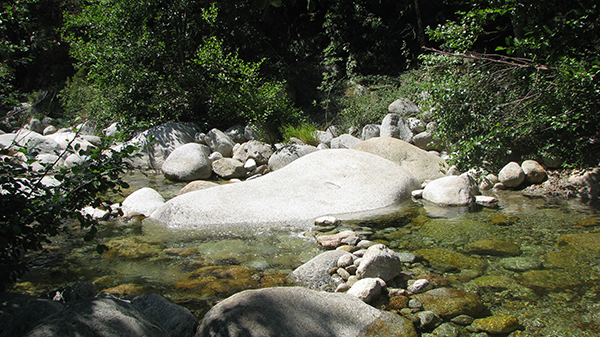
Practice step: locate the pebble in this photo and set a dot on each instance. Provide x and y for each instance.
(463, 320)
(345, 260)
(418, 286)
(406, 257)
(343, 273)
(445, 330)
(415, 304)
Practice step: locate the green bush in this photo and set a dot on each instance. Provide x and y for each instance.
(33, 212)
(305, 132)
(153, 62)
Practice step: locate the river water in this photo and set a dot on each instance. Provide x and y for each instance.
(549, 280)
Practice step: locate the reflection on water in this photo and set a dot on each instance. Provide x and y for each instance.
(541, 263)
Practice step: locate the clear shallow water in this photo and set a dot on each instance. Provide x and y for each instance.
(551, 286)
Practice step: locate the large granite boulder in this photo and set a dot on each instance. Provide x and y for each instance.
(321, 183)
(344, 141)
(422, 164)
(157, 143)
(299, 312)
(97, 317)
(188, 162)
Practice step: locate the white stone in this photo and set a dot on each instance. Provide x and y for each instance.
(452, 190)
(379, 261)
(511, 175)
(367, 289)
(143, 201)
(318, 184)
(187, 163)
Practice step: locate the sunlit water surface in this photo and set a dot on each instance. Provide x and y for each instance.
(558, 295)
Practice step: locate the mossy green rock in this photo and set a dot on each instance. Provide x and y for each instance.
(449, 303)
(589, 222)
(446, 259)
(494, 247)
(503, 219)
(133, 248)
(496, 324)
(549, 280)
(457, 230)
(510, 288)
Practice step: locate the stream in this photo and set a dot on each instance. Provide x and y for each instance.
(550, 283)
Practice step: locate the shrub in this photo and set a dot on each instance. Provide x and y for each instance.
(305, 132)
(33, 212)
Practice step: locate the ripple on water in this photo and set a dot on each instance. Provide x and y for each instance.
(552, 286)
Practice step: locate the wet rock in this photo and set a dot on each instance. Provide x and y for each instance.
(423, 165)
(496, 324)
(511, 175)
(463, 320)
(494, 247)
(300, 312)
(486, 201)
(449, 303)
(126, 289)
(219, 281)
(133, 247)
(543, 281)
(379, 261)
(367, 289)
(534, 172)
(493, 284)
(428, 320)
(445, 330)
(397, 302)
(188, 162)
(520, 264)
(315, 273)
(197, 185)
(333, 241)
(456, 231)
(418, 286)
(447, 260)
(503, 219)
(143, 201)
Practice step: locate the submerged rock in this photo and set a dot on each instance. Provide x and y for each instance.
(321, 183)
(300, 312)
(449, 303)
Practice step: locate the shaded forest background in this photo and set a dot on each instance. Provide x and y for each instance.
(502, 78)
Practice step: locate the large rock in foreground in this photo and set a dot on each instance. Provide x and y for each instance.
(422, 164)
(321, 183)
(298, 312)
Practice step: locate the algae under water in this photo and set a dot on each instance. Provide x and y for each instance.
(533, 258)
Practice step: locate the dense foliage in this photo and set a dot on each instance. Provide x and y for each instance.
(35, 209)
